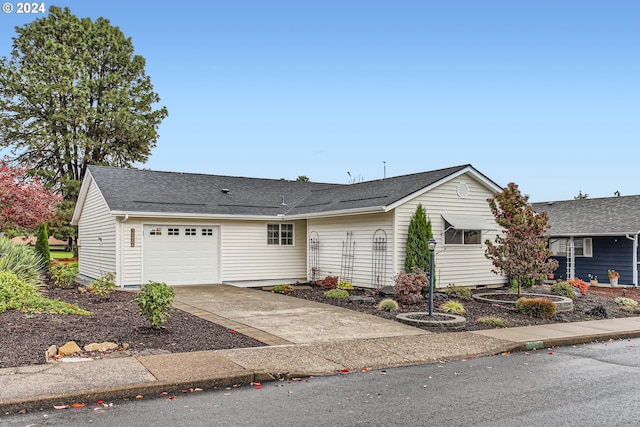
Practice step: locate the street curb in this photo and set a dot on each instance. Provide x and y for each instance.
(560, 342)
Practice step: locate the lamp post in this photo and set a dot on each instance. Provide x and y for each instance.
(432, 248)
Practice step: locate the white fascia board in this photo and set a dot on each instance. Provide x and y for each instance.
(178, 215)
(82, 197)
(345, 212)
(608, 234)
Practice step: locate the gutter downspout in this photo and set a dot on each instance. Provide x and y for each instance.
(634, 239)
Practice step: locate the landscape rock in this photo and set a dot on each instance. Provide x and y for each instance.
(387, 291)
(361, 299)
(69, 348)
(104, 346)
(50, 354)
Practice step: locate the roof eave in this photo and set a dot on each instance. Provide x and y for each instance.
(178, 215)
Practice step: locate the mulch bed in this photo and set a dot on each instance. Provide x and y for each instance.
(475, 310)
(26, 337)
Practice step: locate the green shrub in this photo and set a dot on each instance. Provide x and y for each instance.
(496, 322)
(337, 294)
(42, 244)
(15, 294)
(388, 304)
(452, 307)
(347, 286)
(155, 300)
(536, 307)
(282, 289)
(23, 261)
(103, 285)
(63, 275)
(458, 292)
(627, 304)
(563, 289)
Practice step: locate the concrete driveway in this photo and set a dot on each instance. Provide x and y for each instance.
(294, 320)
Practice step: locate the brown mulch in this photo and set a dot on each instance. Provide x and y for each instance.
(26, 337)
(474, 310)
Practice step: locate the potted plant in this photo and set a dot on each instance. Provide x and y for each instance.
(593, 280)
(613, 277)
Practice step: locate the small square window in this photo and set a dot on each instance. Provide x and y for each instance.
(173, 231)
(280, 234)
(189, 231)
(207, 231)
(155, 231)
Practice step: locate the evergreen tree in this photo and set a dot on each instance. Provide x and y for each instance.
(42, 244)
(418, 235)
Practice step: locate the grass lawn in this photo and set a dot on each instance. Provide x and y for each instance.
(61, 254)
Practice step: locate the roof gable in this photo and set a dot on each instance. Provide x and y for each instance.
(593, 217)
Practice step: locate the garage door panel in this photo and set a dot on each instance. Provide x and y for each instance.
(181, 254)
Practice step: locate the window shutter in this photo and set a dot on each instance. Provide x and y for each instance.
(587, 247)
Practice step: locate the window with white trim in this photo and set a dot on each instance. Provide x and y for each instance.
(280, 234)
(189, 231)
(455, 236)
(155, 231)
(581, 247)
(207, 231)
(173, 232)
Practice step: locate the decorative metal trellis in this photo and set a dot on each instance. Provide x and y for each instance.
(314, 255)
(346, 266)
(379, 259)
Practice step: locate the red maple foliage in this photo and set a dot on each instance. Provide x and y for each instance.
(24, 201)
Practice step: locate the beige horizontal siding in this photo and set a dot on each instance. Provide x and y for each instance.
(96, 236)
(332, 234)
(455, 264)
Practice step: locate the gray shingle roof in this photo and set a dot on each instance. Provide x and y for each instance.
(136, 190)
(593, 217)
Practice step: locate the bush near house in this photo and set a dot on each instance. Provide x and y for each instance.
(536, 307)
(408, 286)
(63, 274)
(563, 289)
(155, 300)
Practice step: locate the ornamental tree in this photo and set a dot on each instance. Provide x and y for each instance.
(73, 93)
(24, 201)
(418, 235)
(520, 251)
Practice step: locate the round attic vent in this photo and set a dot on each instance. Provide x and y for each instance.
(463, 190)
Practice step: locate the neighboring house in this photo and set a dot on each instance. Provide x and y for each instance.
(182, 228)
(591, 236)
(54, 244)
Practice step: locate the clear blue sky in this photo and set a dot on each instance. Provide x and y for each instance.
(542, 93)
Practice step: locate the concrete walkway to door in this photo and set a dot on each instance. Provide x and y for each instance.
(279, 319)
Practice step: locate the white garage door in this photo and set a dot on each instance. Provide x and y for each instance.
(181, 254)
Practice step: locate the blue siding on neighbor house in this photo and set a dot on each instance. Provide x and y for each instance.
(609, 253)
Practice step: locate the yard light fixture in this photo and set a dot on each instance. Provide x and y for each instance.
(432, 249)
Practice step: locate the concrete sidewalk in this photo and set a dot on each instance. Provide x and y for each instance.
(297, 350)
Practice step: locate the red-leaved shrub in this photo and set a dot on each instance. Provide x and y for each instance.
(408, 286)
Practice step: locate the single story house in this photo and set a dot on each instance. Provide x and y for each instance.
(186, 228)
(591, 236)
(54, 244)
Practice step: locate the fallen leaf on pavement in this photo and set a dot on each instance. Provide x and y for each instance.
(78, 405)
(60, 406)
